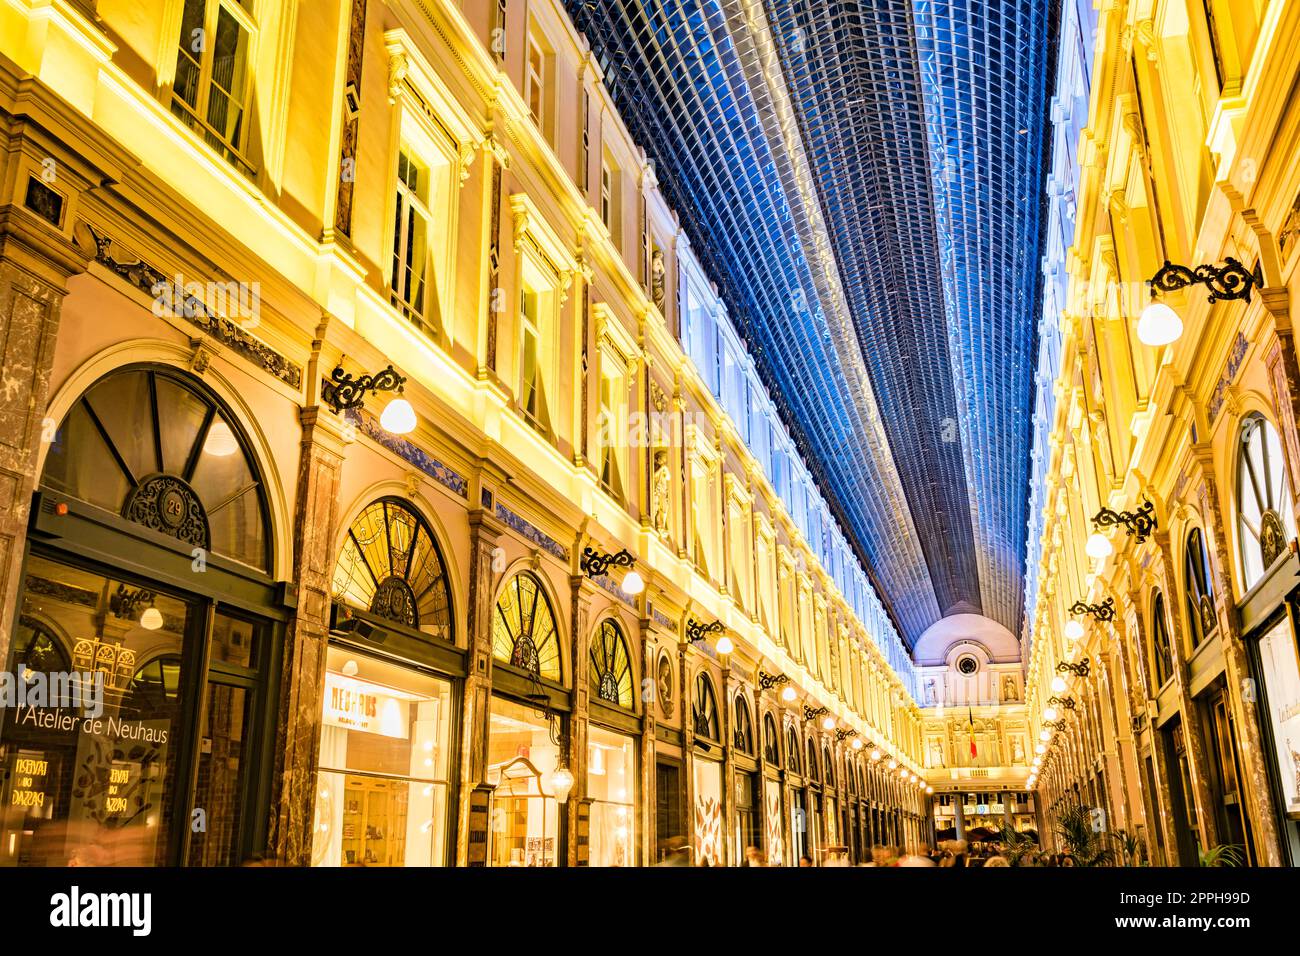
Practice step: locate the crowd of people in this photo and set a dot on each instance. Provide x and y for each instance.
(954, 853)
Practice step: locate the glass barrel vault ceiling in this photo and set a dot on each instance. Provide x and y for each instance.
(921, 128)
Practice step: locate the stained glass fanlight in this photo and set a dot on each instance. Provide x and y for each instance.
(523, 629)
(1265, 521)
(744, 727)
(390, 566)
(771, 742)
(1161, 649)
(611, 668)
(1200, 594)
(151, 445)
(706, 708)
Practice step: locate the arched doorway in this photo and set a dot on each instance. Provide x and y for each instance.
(148, 568)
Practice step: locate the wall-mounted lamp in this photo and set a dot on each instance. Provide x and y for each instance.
(1081, 669)
(767, 681)
(1159, 324)
(1066, 702)
(597, 563)
(841, 734)
(809, 713)
(1054, 724)
(697, 631)
(1138, 523)
(1105, 611)
(344, 390)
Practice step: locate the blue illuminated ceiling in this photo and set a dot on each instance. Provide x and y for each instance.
(864, 181)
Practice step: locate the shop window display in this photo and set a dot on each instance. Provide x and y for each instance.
(611, 786)
(382, 793)
(93, 784)
(708, 812)
(523, 753)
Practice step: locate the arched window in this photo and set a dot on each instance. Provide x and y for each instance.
(706, 708)
(828, 762)
(744, 727)
(390, 565)
(814, 771)
(1200, 593)
(1161, 650)
(152, 446)
(792, 751)
(523, 630)
(611, 668)
(771, 742)
(1265, 522)
(37, 648)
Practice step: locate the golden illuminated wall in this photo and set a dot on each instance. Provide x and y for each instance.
(1191, 154)
(529, 230)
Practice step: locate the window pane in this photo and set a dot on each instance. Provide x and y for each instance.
(391, 727)
(611, 785)
(229, 492)
(219, 783)
(180, 416)
(79, 464)
(521, 760)
(95, 784)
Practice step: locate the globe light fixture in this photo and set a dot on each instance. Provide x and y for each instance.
(1098, 546)
(828, 723)
(398, 417)
(893, 764)
(1058, 684)
(1049, 713)
(857, 743)
(634, 584)
(788, 693)
(1159, 325)
(151, 619)
(929, 789)
(875, 754)
(1073, 630)
(1044, 735)
(724, 645)
(562, 783)
(1040, 749)
(221, 441)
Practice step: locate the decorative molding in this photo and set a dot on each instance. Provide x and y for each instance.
(408, 452)
(1235, 357)
(530, 531)
(154, 283)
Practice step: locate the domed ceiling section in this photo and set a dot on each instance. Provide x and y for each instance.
(865, 183)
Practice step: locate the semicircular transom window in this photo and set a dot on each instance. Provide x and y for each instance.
(523, 628)
(744, 729)
(390, 565)
(1265, 520)
(152, 446)
(1161, 649)
(771, 744)
(611, 668)
(1200, 593)
(706, 708)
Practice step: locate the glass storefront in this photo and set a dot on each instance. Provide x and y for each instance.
(93, 784)
(1281, 673)
(525, 816)
(772, 816)
(708, 812)
(382, 792)
(611, 786)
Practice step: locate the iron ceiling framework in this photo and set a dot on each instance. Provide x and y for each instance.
(864, 181)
